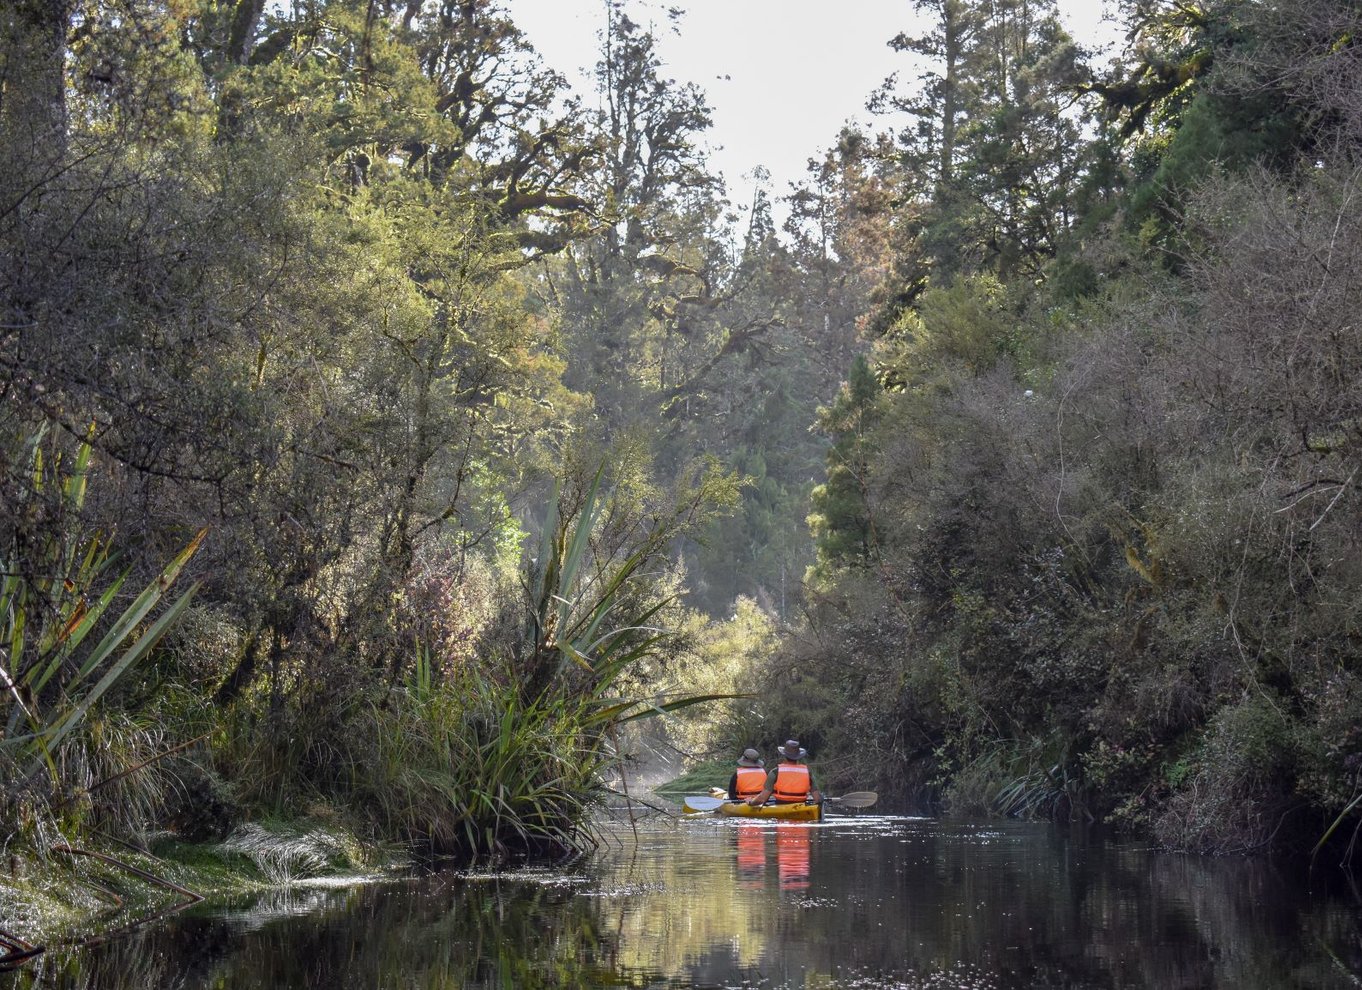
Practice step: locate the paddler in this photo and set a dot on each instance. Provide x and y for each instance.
(749, 778)
(790, 781)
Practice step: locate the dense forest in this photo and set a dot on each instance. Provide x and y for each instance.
(388, 429)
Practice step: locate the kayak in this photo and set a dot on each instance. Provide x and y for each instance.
(717, 802)
(779, 812)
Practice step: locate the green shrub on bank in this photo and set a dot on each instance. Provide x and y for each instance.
(499, 756)
(1237, 785)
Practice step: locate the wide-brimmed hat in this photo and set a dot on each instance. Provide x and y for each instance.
(750, 758)
(792, 750)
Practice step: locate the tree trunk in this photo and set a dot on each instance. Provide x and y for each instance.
(953, 32)
(242, 675)
(245, 21)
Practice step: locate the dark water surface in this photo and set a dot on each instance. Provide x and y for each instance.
(860, 903)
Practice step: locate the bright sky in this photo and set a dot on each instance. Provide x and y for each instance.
(781, 75)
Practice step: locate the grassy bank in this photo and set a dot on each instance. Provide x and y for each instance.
(698, 779)
(78, 893)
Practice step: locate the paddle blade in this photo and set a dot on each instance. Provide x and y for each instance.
(855, 799)
(700, 802)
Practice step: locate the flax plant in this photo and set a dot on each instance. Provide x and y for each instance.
(594, 611)
(55, 593)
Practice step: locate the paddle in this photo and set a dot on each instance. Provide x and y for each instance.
(698, 802)
(855, 799)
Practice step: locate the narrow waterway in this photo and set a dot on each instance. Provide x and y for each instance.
(864, 902)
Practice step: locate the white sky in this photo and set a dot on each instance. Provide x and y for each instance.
(782, 76)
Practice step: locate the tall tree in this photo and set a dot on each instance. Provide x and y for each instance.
(944, 92)
(845, 237)
(635, 290)
(993, 146)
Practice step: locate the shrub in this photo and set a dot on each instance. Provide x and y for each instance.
(1239, 784)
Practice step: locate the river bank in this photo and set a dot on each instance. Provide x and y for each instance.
(83, 894)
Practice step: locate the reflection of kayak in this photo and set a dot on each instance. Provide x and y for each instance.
(780, 812)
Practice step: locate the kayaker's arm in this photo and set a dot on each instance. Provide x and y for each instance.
(767, 790)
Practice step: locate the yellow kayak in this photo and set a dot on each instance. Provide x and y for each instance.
(779, 812)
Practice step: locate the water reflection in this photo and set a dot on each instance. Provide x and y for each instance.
(751, 856)
(793, 843)
(874, 902)
(793, 840)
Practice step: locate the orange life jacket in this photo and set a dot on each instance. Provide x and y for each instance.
(792, 783)
(750, 782)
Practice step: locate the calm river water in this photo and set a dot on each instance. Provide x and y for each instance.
(863, 902)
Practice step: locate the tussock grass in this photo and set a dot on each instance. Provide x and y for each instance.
(473, 769)
(287, 854)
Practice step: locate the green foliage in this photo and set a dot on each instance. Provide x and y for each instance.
(489, 757)
(588, 606)
(720, 656)
(965, 326)
(1228, 800)
(1045, 784)
(1211, 137)
(1018, 780)
(842, 516)
(1113, 505)
(475, 769)
(990, 136)
(319, 293)
(1202, 97)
